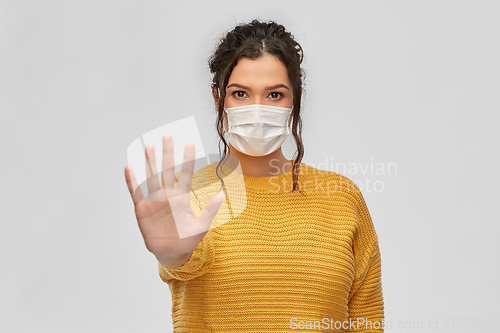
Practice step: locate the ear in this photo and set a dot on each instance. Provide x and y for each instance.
(215, 94)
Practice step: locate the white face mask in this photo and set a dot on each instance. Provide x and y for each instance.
(256, 129)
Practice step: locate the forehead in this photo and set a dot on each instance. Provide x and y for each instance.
(265, 70)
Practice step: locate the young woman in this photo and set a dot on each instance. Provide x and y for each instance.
(303, 253)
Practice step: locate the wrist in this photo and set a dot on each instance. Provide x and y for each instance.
(173, 261)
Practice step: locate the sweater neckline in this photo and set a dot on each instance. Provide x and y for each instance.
(273, 184)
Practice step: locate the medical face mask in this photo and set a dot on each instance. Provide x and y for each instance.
(256, 129)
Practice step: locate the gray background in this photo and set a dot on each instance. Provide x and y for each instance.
(413, 83)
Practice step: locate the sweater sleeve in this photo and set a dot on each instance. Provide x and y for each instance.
(365, 303)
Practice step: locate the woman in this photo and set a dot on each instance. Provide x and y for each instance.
(303, 253)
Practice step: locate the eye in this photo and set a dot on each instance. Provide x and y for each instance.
(276, 95)
(239, 94)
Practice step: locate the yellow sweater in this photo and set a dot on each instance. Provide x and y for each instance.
(280, 261)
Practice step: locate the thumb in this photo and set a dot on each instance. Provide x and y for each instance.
(212, 207)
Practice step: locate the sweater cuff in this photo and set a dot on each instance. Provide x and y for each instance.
(201, 260)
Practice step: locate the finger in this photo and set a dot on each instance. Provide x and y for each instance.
(151, 173)
(134, 189)
(186, 175)
(168, 163)
(211, 208)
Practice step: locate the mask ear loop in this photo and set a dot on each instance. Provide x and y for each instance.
(291, 121)
(227, 119)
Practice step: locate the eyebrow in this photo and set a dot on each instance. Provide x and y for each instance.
(279, 85)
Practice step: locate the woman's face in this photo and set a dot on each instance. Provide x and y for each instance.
(259, 81)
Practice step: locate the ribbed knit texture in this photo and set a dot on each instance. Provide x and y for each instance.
(282, 255)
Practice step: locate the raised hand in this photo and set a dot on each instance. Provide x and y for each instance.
(165, 216)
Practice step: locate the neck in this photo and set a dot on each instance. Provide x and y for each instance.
(274, 164)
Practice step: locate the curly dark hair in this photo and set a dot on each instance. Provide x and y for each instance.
(253, 40)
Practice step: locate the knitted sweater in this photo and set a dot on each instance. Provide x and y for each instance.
(280, 261)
